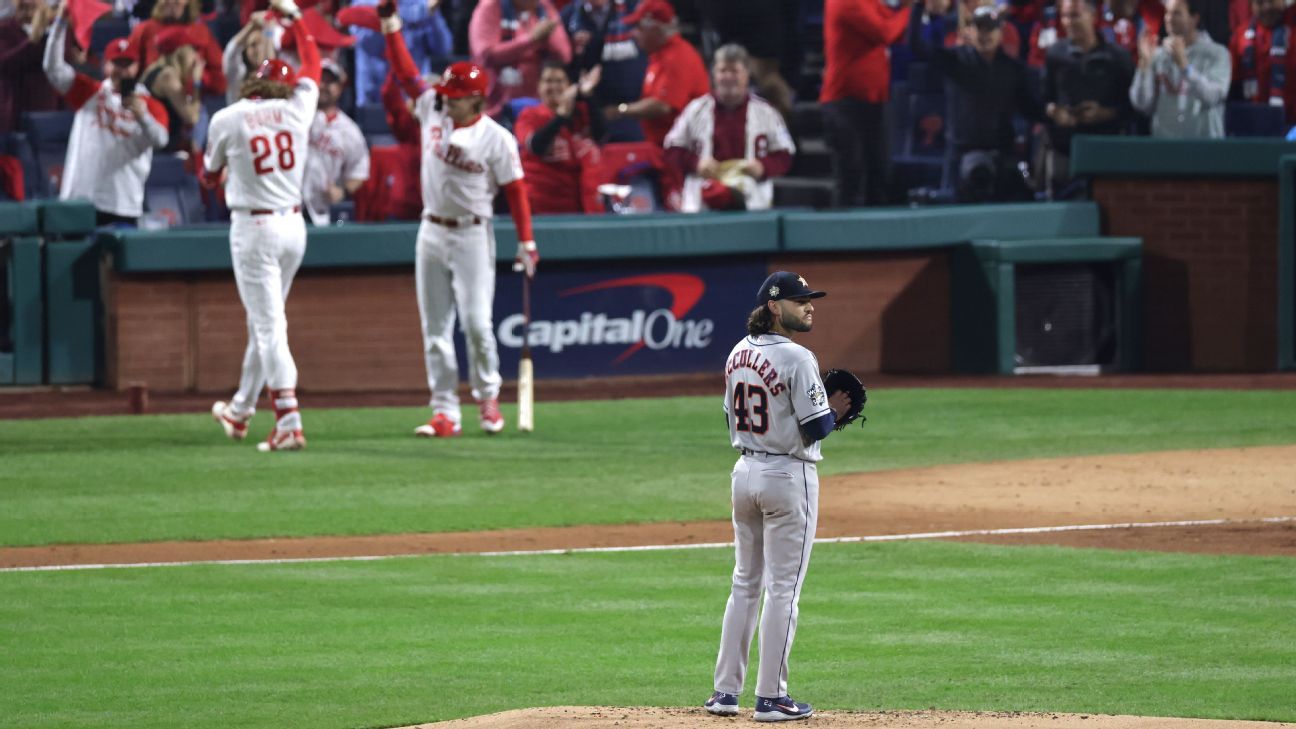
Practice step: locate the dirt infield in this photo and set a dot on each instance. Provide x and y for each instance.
(601, 717)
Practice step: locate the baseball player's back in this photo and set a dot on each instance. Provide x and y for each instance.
(772, 388)
(265, 143)
(778, 412)
(258, 147)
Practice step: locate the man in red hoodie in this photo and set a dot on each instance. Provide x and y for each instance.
(856, 87)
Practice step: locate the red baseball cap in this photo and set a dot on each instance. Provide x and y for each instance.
(275, 69)
(659, 10)
(462, 79)
(120, 48)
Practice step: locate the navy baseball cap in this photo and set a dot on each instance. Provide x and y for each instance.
(786, 285)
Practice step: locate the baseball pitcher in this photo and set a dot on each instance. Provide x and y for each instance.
(467, 157)
(778, 411)
(257, 149)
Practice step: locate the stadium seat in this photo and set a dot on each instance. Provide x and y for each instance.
(638, 166)
(372, 119)
(1245, 119)
(48, 132)
(173, 193)
(925, 125)
(108, 27)
(16, 144)
(224, 27)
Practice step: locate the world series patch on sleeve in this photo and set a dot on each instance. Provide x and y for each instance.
(835, 381)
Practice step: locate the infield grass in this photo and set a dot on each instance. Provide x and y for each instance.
(416, 639)
(150, 478)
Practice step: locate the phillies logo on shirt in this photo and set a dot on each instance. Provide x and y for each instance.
(118, 122)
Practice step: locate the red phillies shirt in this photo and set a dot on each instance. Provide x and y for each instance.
(676, 75)
(144, 37)
(1253, 65)
(560, 180)
(857, 60)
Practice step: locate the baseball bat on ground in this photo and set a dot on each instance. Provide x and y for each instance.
(526, 376)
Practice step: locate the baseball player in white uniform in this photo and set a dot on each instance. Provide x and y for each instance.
(338, 163)
(778, 411)
(115, 130)
(467, 157)
(258, 148)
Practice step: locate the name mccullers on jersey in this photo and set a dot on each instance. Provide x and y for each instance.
(751, 359)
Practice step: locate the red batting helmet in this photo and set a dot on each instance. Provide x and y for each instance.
(274, 69)
(462, 79)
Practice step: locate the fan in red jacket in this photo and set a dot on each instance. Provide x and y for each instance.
(559, 154)
(856, 87)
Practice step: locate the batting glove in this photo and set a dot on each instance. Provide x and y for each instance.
(527, 258)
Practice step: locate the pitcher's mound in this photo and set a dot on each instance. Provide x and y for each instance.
(598, 717)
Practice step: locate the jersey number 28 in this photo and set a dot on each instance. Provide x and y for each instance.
(262, 151)
(757, 420)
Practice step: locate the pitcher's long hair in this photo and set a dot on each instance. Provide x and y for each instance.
(760, 321)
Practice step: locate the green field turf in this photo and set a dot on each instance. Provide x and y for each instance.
(415, 639)
(124, 479)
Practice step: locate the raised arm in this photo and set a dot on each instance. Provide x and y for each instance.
(402, 65)
(59, 72)
(307, 50)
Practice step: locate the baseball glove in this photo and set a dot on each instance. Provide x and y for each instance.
(843, 381)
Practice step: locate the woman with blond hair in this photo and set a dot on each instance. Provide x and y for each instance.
(182, 13)
(174, 79)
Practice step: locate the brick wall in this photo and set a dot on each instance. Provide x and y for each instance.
(352, 330)
(883, 313)
(359, 329)
(1210, 262)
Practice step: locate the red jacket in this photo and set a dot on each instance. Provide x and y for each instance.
(562, 180)
(857, 60)
(676, 75)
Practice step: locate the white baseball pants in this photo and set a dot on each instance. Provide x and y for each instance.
(454, 269)
(266, 250)
(775, 511)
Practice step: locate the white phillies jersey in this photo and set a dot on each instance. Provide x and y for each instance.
(264, 142)
(109, 153)
(338, 152)
(765, 132)
(464, 167)
(772, 386)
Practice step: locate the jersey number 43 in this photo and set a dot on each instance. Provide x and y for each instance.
(263, 152)
(751, 396)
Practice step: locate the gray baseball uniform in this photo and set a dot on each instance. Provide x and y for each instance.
(776, 405)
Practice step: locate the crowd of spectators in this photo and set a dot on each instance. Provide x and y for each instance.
(711, 124)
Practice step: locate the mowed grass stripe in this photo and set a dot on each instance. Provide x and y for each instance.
(129, 479)
(955, 626)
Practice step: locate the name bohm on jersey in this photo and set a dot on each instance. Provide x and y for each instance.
(657, 329)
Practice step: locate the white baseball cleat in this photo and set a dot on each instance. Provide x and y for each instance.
(440, 426)
(491, 420)
(235, 428)
(283, 440)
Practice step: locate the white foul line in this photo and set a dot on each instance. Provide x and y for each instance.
(667, 547)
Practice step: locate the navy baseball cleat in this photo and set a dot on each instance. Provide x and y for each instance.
(722, 704)
(781, 709)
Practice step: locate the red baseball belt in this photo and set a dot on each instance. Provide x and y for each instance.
(263, 211)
